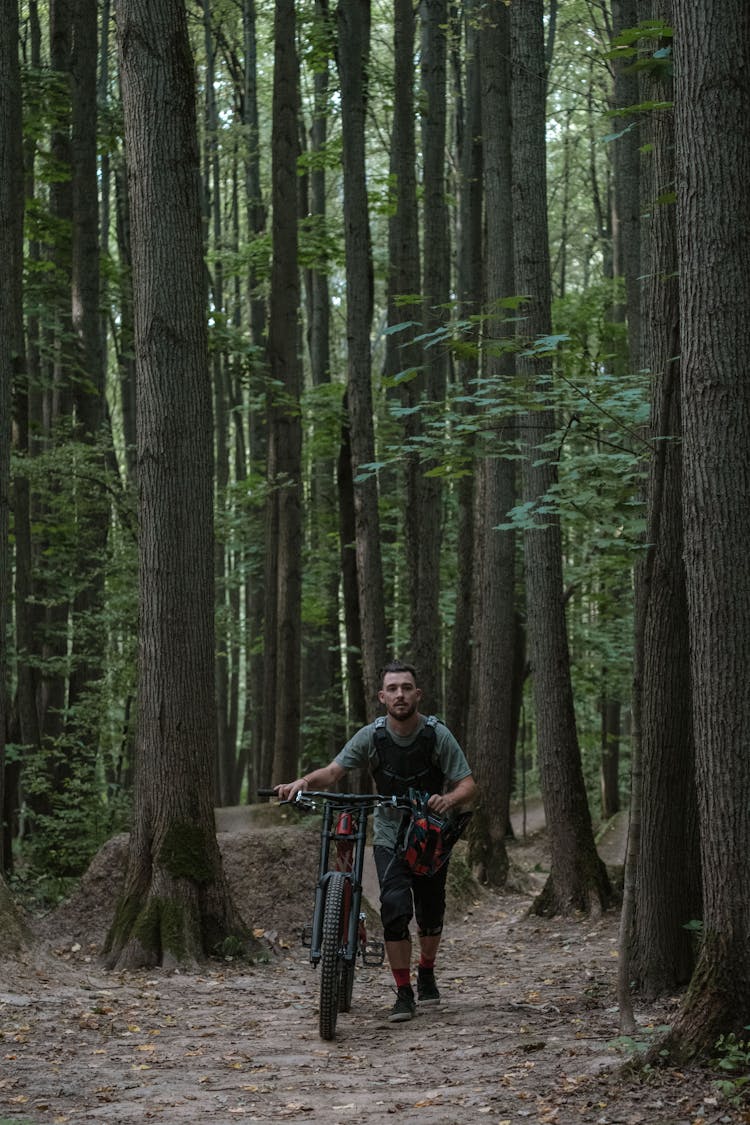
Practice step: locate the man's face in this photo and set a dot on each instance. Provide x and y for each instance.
(400, 695)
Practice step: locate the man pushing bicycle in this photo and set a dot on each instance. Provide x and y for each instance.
(404, 751)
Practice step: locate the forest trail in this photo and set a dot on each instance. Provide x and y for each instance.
(524, 1034)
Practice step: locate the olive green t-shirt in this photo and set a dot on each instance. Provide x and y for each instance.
(360, 750)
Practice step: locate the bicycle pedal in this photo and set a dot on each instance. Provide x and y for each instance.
(307, 936)
(373, 953)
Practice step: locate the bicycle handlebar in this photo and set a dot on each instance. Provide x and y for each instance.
(341, 798)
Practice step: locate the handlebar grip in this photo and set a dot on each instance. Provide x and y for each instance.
(266, 792)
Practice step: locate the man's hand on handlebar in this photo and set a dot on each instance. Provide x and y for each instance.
(440, 803)
(289, 791)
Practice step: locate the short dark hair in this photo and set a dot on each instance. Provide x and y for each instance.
(397, 666)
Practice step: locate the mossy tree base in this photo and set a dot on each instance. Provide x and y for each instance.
(176, 910)
(716, 1004)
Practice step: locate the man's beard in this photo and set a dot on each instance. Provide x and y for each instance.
(402, 711)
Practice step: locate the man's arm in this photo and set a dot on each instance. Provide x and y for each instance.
(322, 778)
(460, 796)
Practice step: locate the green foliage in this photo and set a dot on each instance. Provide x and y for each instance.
(733, 1059)
(74, 782)
(320, 244)
(635, 1045)
(634, 43)
(81, 810)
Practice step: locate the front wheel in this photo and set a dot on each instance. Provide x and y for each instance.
(331, 960)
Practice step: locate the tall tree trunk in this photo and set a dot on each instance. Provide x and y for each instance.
(403, 357)
(626, 159)
(89, 641)
(667, 874)
(253, 732)
(578, 879)
(353, 20)
(227, 737)
(427, 517)
(494, 551)
(469, 285)
(284, 427)
(712, 166)
(321, 659)
(175, 906)
(11, 360)
(27, 677)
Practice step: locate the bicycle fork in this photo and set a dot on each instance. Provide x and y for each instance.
(349, 837)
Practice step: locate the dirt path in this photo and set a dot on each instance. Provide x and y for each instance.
(524, 1034)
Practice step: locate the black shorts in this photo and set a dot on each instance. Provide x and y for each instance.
(403, 894)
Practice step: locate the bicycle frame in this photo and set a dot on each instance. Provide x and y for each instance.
(349, 835)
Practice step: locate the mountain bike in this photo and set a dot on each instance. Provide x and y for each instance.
(337, 934)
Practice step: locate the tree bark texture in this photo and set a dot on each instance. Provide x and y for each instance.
(668, 864)
(88, 387)
(353, 21)
(404, 357)
(469, 285)
(284, 429)
(493, 631)
(427, 518)
(713, 166)
(321, 674)
(578, 878)
(626, 225)
(175, 905)
(11, 342)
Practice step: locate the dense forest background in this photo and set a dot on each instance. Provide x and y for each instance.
(333, 332)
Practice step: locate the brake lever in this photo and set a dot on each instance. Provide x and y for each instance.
(302, 801)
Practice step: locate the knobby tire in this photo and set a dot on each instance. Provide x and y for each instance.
(332, 983)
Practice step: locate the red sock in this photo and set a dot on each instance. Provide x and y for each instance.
(402, 978)
(426, 962)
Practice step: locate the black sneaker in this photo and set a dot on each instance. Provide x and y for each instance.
(427, 990)
(404, 1008)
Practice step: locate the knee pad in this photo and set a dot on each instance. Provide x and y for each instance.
(431, 931)
(397, 929)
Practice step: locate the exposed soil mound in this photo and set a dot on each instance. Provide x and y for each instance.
(271, 871)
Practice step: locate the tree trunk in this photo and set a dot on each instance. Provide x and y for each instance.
(662, 878)
(403, 358)
(578, 879)
(176, 905)
(713, 165)
(322, 663)
(426, 519)
(11, 353)
(213, 225)
(469, 284)
(89, 642)
(353, 19)
(494, 551)
(24, 401)
(253, 733)
(284, 429)
(626, 225)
